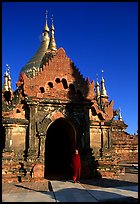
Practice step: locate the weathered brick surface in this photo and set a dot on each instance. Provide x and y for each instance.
(58, 71)
(38, 171)
(126, 146)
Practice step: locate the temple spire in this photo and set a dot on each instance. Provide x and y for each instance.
(46, 28)
(97, 87)
(103, 89)
(52, 44)
(7, 79)
(120, 115)
(45, 34)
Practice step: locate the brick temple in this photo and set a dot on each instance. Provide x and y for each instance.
(54, 110)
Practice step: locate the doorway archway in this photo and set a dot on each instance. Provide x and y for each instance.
(59, 146)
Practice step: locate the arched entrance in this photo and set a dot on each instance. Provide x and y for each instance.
(59, 146)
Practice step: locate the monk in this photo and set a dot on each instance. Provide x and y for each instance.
(76, 167)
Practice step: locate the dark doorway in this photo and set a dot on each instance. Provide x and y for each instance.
(59, 146)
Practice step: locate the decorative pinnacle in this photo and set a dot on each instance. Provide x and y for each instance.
(46, 26)
(7, 83)
(102, 73)
(97, 77)
(8, 69)
(103, 90)
(46, 14)
(119, 114)
(97, 87)
(52, 18)
(52, 44)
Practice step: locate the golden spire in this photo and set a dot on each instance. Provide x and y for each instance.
(120, 115)
(5, 86)
(52, 45)
(45, 34)
(103, 90)
(52, 23)
(97, 87)
(46, 28)
(7, 79)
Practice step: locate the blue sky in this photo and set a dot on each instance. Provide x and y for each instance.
(95, 35)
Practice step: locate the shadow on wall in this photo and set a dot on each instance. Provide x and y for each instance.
(77, 110)
(89, 165)
(64, 135)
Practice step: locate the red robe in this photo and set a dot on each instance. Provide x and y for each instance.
(76, 167)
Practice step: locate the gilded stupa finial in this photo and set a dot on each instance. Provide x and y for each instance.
(52, 45)
(97, 78)
(8, 69)
(7, 79)
(97, 87)
(119, 114)
(46, 14)
(52, 18)
(102, 74)
(45, 34)
(46, 25)
(103, 89)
